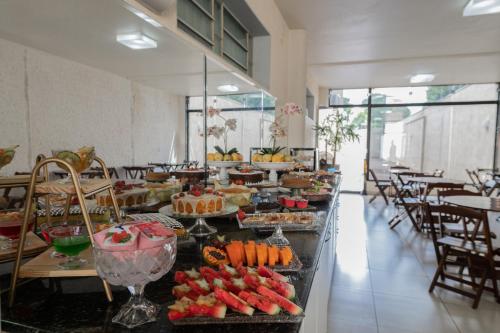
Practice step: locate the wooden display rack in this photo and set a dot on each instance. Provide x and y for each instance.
(43, 265)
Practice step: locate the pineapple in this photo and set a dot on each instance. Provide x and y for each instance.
(267, 158)
(218, 157)
(288, 158)
(211, 156)
(257, 158)
(227, 157)
(278, 158)
(236, 157)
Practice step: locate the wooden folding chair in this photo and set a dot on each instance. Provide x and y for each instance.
(476, 247)
(409, 203)
(474, 179)
(381, 185)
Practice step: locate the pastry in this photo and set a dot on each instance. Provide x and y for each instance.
(295, 181)
(245, 176)
(190, 176)
(198, 202)
(163, 191)
(157, 176)
(127, 195)
(237, 194)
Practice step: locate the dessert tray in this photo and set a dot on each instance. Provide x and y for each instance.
(299, 221)
(167, 210)
(218, 306)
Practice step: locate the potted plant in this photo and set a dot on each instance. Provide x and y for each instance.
(336, 129)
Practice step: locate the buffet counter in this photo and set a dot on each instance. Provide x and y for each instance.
(80, 305)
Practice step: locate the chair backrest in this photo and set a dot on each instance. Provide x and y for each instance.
(442, 186)
(475, 223)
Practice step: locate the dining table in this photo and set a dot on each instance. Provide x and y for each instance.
(434, 180)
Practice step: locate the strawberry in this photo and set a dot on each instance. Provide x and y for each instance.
(241, 215)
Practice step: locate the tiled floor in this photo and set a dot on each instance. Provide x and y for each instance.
(382, 276)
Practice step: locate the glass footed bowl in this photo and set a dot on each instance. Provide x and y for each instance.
(7, 155)
(134, 269)
(70, 240)
(79, 160)
(11, 222)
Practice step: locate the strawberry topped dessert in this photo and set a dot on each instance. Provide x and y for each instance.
(198, 201)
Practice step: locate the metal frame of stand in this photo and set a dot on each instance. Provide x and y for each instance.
(77, 190)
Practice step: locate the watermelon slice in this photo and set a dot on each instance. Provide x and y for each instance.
(260, 302)
(225, 284)
(180, 309)
(233, 301)
(216, 311)
(284, 289)
(207, 271)
(269, 273)
(253, 281)
(180, 277)
(227, 272)
(201, 287)
(183, 290)
(286, 304)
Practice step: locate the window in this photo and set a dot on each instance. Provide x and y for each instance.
(449, 127)
(211, 22)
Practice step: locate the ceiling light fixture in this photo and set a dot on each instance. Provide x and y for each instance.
(136, 41)
(144, 16)
(421, 78)
(227, 88)
(481, 7)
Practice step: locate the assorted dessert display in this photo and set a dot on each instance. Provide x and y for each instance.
(7, 155)
(80, 160)
(249, 253)
(229, 291)
(127, 195)
(198, 201)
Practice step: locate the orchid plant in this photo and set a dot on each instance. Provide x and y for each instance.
(277, 127)
(221, 131)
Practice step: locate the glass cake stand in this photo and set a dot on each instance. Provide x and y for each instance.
(200, 227)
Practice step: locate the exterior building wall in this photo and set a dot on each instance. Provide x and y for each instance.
(452, 138)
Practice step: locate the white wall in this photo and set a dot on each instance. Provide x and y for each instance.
(47, 102)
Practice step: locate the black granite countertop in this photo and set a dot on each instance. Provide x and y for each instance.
(80, 305)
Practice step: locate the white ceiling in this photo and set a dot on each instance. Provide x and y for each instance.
(85, 31)
(375, 43)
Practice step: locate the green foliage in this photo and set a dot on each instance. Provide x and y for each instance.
(223, 152)
(437, 93)
(336, 129)
(272, 151)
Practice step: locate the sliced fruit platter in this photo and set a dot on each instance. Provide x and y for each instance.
(233, 295)
(288, 221)
(251, 253)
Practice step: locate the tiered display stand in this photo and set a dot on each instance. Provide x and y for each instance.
(44, 265)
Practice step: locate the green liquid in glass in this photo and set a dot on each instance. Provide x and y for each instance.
(71, 245)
